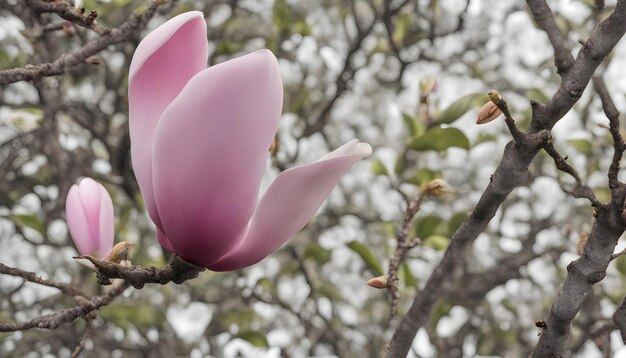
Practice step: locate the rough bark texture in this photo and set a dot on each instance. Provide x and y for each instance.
(513, 168)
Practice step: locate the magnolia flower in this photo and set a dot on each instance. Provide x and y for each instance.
(89, 212)
(200, 141)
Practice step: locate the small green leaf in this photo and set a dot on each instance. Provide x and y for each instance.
(485, 137)
(441, 309)
(620, 264)
(302, 27)
(368, 257)
(437, 242)
(584, 146)
(398, 167)
(410, 124)
(423, 176)
(317, 253)
(29, 220)
(331, 292)
(425, 226)
(379, 168)
(281, 15)
(456, 221)
(409, 279)
(536, 94)
(255, 337)
(139, 315)
(461, 106)
(439, 139)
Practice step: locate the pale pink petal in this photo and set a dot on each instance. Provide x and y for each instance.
(77, 222)
(162, 64)
(90, 198)
(288, 205)
(106, 224)
(211, 147)
(163, 241)
(89, 212)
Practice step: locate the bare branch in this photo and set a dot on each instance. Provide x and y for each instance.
(404, 245)
(54, 320)
(178, 271)
(582, 274)
(127, 31)
(618, 142)
(542, 13)
(32, 277)
(619, 318)
(581, 190)
(511, 172)
(66, 11)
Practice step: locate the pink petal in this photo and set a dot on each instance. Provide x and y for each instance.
(211, 147)
(89, 212)
(163, 241)
(106, 224)
(77, 222)
(90, 197)
(162, 64)
(289, 203)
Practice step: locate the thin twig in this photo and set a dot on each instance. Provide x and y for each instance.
(581, 190)
(125, 32)
(83, 340)
(54, 320)
(618, 142)
(404, 244)
(33, 277)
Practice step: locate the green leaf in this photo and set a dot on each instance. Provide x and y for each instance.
(620, 264)
(455, 221)
(439, 139)
(281, 15)
(485, 137)
(441, 309)
(410, 124)
(368, 257)
(317, 253)
(402, 27)
(30, 221)
(331, 292)
(409, 279)
(425, 226)
(423, 176)
(255, 337)
(379, 168)
(461, 106)
(241, 318)
(302, 27)
(536, 94)
(584, 146)
(437, 242)
(398, 167)
(139, 315)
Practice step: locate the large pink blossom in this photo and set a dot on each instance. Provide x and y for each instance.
(89, 212)
(199, 144)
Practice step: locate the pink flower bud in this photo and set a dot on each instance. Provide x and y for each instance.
(89, 212)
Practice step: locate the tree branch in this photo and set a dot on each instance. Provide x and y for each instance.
(618, 142)
(32, 277)
(54, 320)
(127, 31)
(511, 171)
(542, 13)
(178, 271)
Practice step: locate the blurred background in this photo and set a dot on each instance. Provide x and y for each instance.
(408, 77)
